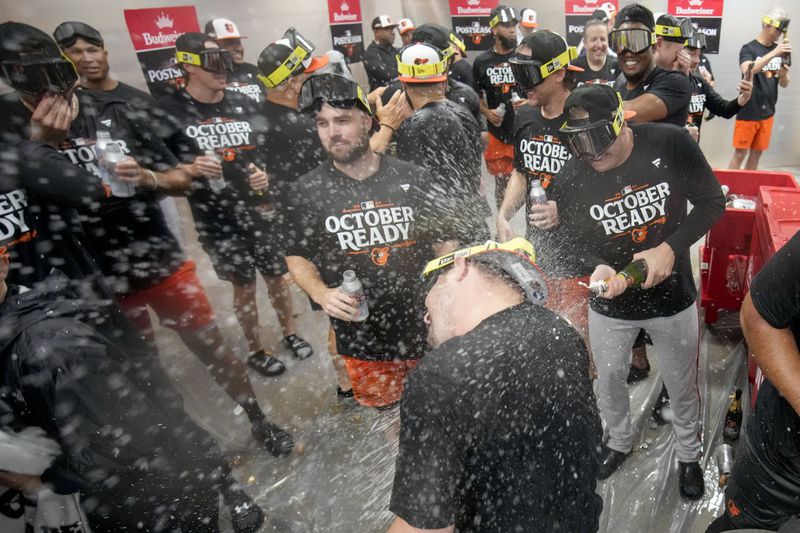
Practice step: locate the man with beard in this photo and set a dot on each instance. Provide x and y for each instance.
(366, 213)
(623, 197)
(379, 57)
(244, 78)
(498, 425)
(444, 139)
(655, 94)
(494, 82)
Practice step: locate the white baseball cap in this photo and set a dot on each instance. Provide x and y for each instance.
(383, 21)
(221, 29)
(421, 63)
(528, 18)
(405, 25)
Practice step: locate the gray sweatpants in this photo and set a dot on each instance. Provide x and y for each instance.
(675, 340)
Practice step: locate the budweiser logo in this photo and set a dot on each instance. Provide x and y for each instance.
(344, 7)
(164, 21)
(695, 3)
(473, 2)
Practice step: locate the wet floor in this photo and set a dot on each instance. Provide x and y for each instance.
(339, 479)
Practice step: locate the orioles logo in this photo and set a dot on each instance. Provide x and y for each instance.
(229, 28)
(733, 509)
(380, 256)
(639, 234)
(229, 154)
(420, 60)
(546, 179)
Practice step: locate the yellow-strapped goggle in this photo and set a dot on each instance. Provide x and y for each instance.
(426, 70)
(458, 42)
(591, 140)
(298, 55)
(529, 73)
(212, 60)
(780, 25)
(505, 15)
(517, 245)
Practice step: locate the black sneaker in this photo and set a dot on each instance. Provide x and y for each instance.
(246, 516)
(610, 460)
(275, 440)
(300, 348)
(341, 393)
(690, 479)
(265, 364)
(638, 374)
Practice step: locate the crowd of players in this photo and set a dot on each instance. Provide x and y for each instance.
(293, 171)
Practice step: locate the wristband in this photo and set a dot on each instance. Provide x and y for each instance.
(387, 126)
(155, 179)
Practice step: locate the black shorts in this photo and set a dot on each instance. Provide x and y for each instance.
(764, 489)
(237, 256)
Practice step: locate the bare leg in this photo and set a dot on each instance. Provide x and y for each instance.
(500, 184)
(244, 305)
(753, 160)
(737, 159)
(278, 290)
(341, 370)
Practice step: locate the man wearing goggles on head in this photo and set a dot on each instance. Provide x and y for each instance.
(476, 393)
(623, 197)
(244, 78)
(672, 34)
(655, 94)
(768, 57)
(368, 213)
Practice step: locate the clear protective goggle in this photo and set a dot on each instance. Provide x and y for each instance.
(698, 40)
(56, 75)
(507, 15)
(781, 25)
(684, 30)
(529, 73)
(332, 89)
(298, 60)
(591, 140)
(636, 40)
(212, 60)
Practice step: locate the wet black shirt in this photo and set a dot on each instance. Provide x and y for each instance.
(494, 80)
(245, 80)
(671, 86)
(705, 97)
(131, 95)
(380, 62)
(461, 71)
(539, 154)
(379, 227)
(637, 206)
(444, 138)
(774, 430)
(606, 75)
(233, 128)
(130, 235)
(765, 84)
(499, 430)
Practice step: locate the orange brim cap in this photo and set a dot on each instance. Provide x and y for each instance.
(410, 79)
(317, 62)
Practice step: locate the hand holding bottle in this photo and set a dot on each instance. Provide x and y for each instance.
(257, 179)
(660, 261)
(612, 284)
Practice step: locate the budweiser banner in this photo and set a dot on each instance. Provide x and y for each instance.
(346, 31)
(578, 12)
(471, 22)
(706, 14)
(154, 32)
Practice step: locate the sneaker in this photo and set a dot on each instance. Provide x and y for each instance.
(246, 516)
(300, 348)
(341, 393)
(638, 374)
(275, 440)
(690, 479)
(265, 364)
(610, 461)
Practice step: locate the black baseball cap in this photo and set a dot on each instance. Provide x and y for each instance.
(192, 42)
(32, 63)
(545, 46)
(672, 29)
(286, 57)
(502, 15)
(635, 13)
(68, 32)
(599, 99)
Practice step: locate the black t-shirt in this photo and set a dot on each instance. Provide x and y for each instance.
(445, 139)
(380, 62)
(130, 235)
(765, 84)
(499, 430)
(233, 128)
(494, 80)
(539, 154)
(705, 97)
(774, 430)
(131, 95)
(40, 194)
(606, 75)
(382, 228)
(671, 86)
(461, 71)
(245, 80)
(705, 63)
(609, 217)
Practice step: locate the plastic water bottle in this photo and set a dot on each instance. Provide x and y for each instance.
(501, 110)
(352, 286)
(103, 138)
(724, 459)
(216, 184)
(114, 155)
(538, 195)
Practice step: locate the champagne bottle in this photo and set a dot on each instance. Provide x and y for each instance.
(634, 274)
(733, 418)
